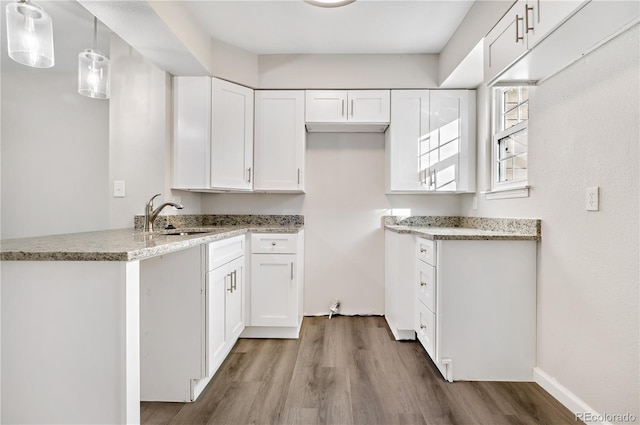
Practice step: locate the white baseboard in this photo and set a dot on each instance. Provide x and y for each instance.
(567, 398)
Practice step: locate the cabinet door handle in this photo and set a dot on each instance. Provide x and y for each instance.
(423, 283)
(249, 171)
(351, 108)
(234, 280)
(518, 37)
(527, 9)
(292, 271)
(342, 108)
(422, 250)
(433, 179)
(422, 326)
(298, 177)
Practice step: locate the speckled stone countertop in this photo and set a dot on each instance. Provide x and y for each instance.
(465, 228)
(129, 244)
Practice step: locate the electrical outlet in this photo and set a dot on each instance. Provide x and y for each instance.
(118, 189)
(593, 203)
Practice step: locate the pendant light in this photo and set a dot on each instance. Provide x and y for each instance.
(29, 35)
(94, 70)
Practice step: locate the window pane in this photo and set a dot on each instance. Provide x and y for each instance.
(520, 141)
(520, 166)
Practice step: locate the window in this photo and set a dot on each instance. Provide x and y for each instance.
(510, 138)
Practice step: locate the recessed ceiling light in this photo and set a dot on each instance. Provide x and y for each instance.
(329, 3)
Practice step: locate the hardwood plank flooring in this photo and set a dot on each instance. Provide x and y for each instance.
(350, 370)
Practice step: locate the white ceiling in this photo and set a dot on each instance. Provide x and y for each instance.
(366, 26)
(279, 27)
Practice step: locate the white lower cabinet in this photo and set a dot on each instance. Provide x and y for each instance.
(191, 315)
(276, 289)
(475, 307)
(470, 303)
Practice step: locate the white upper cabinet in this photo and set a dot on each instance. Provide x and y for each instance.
(191, 132)
(430, 144)
(347, 110)
(522, 27)
(231, 136)
(279, 141)
(213, 135)
(537, 38)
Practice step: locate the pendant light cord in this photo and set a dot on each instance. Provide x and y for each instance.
(95, 33)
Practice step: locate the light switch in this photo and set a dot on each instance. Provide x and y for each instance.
(593, 203)
(118, 188)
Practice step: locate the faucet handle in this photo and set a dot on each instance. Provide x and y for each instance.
(150, 203)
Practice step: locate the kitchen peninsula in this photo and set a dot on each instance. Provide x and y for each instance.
(71, 313)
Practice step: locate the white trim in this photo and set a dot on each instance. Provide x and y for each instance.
(514, 192)
(564, 396)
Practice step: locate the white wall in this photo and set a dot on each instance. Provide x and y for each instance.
(54, 145)
(139, 136)
(347, 71)
(342, 207)
(584, 131)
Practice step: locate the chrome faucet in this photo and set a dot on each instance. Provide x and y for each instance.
(150, 214)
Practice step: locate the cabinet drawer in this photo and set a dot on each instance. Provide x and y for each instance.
(426, 251)
(273, 243)
(426, 285)
(223, 251)
(426, 328)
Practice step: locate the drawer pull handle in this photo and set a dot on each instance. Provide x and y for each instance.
(518, 36)
(422, 250)
(527, 9)
(422, 326)
(423, 283)
(273, 244)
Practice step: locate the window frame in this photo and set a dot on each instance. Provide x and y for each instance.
(497, 134)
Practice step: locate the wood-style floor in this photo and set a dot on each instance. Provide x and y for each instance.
(350, 370)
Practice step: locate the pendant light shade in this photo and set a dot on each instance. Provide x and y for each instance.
(29, 35)
(94, 79)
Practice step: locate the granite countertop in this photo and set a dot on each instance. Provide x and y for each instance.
(466, 228)
(124, 244)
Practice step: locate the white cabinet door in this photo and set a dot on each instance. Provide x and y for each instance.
(445, 139)
(273, 290)
(544, 16)
(231, 136)
(191, 132)
(369, 106)
(218, 284)
(506, 42)
(234, 317)
(405, 139)
(326, 105)
(279, 141)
